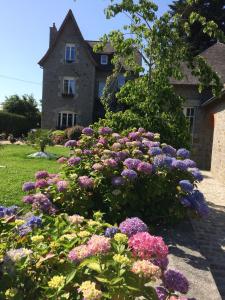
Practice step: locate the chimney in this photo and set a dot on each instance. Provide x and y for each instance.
(53, 33)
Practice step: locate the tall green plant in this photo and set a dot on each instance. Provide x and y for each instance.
(40, 138)
(150, 100)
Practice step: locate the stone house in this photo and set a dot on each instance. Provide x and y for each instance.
(73, 77)
(206, 114)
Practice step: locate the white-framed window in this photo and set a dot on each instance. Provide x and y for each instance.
(101, 85)
(120, 80)
(66, 119)
(104, 59)
(189, 113)
(69, 86)
(70, 53)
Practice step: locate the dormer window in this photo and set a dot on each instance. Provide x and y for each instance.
(70, 53)
(104, 59)
(68, 86)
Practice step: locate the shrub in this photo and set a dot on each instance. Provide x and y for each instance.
(13, 124)
(74, 133)
(58, 137)
(123, 177)
(40, 138)
(70, 257)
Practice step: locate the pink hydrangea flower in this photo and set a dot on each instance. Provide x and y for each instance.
(62, 160)
(145, 268)
(79, 253)
(110, 162)
(62, 185)
(99, 244)
(86, 182)
(98, 167)
(147, 246)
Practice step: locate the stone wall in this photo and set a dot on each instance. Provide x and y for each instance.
(218, 147)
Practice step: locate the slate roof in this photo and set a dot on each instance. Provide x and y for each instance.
(215, 56)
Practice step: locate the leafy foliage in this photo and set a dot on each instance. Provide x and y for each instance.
(150, 100)
(13, 124)
(40, 138)
(198, 36)
(26, 106)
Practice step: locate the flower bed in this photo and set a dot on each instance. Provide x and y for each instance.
(122, 176)
(70, 257)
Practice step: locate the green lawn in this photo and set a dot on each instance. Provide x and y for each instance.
(19, 168)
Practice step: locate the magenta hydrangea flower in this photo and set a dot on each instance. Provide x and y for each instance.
(174, 280)
(41, 183)
(79, 253)
(98, 244)
(62, 185)
(73, 161)
(28, 186)
(88, 131)
(147, 246)
(132, 163)
(62, 160)
(105, 130)
(110, 162)
(70, 143)
(41, 175)
(132, 225)
(144, 167)
(86, 182)
(129, 174)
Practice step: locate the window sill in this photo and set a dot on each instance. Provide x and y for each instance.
(68, 95)
(69, 61)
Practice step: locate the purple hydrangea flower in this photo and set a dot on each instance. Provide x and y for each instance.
(161, 262)
(132, 163)
(117, 181)
(62, 185)
(88, 131)
(41, 183)
(134, 135)
(28, 186)
(155, 151)
(73, 161)
(87, 152)
(28, 199)
(86, 182)
(186, 186)
(121, 155)
(179, 164)
(110, 162)
(169, 150)
(102, 141)
(8, 211)
(24, 230)
(141, 130)
(70, 143)
(144, 167)
(123, 140)
(161, 293)
(174, 280)
(197, 200)
(41, 202)
(132, 226)
(185, 202)
(161, 161)
(189, 163)
(41, 175)
(111, 231)
(196, 173)
(105, 130)
(116, 135)
(149, 135)
(129, 174)
(34, 222)
(183, 153)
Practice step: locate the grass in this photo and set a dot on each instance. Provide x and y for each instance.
(19, 169)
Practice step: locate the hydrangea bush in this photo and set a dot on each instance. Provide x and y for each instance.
(122, 176)
(70, 257)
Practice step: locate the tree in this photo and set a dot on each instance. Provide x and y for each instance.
(150, 100)
(26, 106)
(40, 139)
(210, 10)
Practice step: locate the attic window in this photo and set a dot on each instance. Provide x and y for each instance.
(70, 53)
(104, 59)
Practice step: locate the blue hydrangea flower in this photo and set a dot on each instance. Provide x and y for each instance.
(186, 186)
(111, 231)
(132, 226)
(8, 211)
(189, 163)
(117, 181)
(129, 174)
(196, 173)
(169, 150)
(179, 164)
(196, 201)
(155, 151)
(34, 222)
(183, 153)
(161, 161)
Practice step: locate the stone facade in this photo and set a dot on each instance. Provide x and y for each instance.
(83, 106)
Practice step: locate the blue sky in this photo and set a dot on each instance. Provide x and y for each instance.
(24, 34)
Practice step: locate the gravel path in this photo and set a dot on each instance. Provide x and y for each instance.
(210, 232)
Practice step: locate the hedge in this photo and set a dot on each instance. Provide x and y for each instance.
(13, 124)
